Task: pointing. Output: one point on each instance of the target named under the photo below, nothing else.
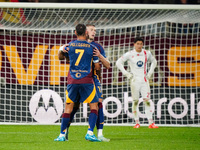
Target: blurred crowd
(112, 1)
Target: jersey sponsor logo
(140, 63)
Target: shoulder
(98, 45)
(148, 52)
(149, 55)
(128, 54)
(95, 43)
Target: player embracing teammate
(100, 53)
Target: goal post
(33, 80)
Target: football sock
(135, 113)
(90, 132)
(92, 119)
(100, 132)
(100, 118)
(75, 109)
(64, 122)
(148, 112)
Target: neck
(81, 38)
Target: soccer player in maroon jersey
(97, 80)
(80, 85)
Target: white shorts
(138, 88)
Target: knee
(100, 105)
(147, 103)
(135, 102)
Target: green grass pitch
(41, 137)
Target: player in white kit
(139, 77)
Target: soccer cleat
(60, 138)
(136, 126)
(103, 139)
(153, 126)
(91, 138)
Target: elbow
(97, 68)
(108, 66)
(117, 63)
(155, 62)
(61, 57)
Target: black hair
(80, 29)
(138, 39)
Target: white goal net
(33, 80)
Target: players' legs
(145, 92)
(92, 117)
(135, 89)
(75, 109)
(92, 121)
(135, 111)
(100, 119)
(65, 121)
(149, 113)
(89, 96)
(148, 110)
(100, 122)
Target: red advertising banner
(32, 59)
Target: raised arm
(61, 53)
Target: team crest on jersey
(140, 63)
(78, 75)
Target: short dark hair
(80, 29)
(138, 39)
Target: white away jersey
(138, 63)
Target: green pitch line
(41, 137)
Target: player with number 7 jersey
(80, 87)
(81, 56)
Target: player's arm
(96, 63)
(153, 65)
(120, 66)
(105, 61)
(97, 66)
(62, 51)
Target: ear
(75, 33)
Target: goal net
(33, 80)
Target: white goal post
(33, 80)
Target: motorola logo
(46, 106)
